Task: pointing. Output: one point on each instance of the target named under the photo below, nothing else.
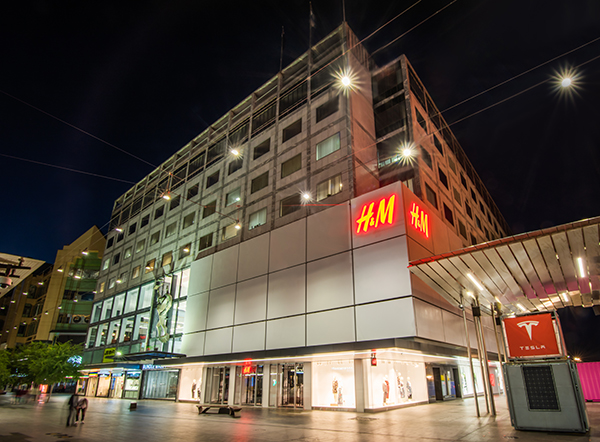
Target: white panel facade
(220, 307)
(288, 246)
(429, 321)
(200, 272)
(388, 319)
(196, 312)
(330, 327)
(380, 271)
(251, 300)
(254, 257)
(249, 337)
(328, 232)
(454, 328)
(329, 283)
(287, 292)
(218, 341)
(192, 344)
(286, 332)
(224, 271)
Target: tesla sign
(375, 214)
(533, 336)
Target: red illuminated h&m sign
(370, 219)
(419, 219)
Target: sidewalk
(111, 420)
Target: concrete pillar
(232, 379)
(307, 389)
(360, 391)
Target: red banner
(531, 336)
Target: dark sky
(149, 76)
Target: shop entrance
(457, 383)
(217, 385)
(116, 386)
(249, 385)
(286, 388)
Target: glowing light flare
(238, 226)
(581, 267)
(119, 229)
(477, 284)
(235, 152)
(346, 80)
(166, 196)
(523, 309)
(565, 297)
(566, 82)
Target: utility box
(545, 396)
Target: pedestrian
(73, 401)
(81, 407)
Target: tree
(4, 368)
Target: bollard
(133, 406)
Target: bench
(221, 409)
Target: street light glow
(566, 82)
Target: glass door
(217, 385)
(291, 385)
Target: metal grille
(539, 384)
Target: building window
(438, 145)
(443, 178)
(106, 264)
(328, 108)
(426, 157)
(145, 221)
(155, 238)
(141, 244)
(289, 205)
(159, 212)
(212, 180)
(123, 278)
(185, 250)
(205, 241)
(111, 283)
(448, 214)
(329, 187)
(257, 218)
(229, 231)
(457, 196)
(463, 181)
(468, 210)
(174, 202)
(473, 240)
(328, 146)
(120, 237)
(292, 130)
(171, 229)
(167, 259)
(478, 222)
(132, 228)
(188, 220)
(110, 242)
(260, 182)
(192, 192)
(127, 253)
(150, 266)
(233, 197)
(235, 165)
(482, 207)
(473, 197)
(292, 165)
(421, 120)
(135, 272)
(451, 164)
(462, 229)
(209, 209)
(262, 149)
(431, 195)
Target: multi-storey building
(275, 245)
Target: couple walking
(76, 406)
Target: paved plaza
(111, 420)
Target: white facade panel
(454, 328)
(286, 332)
(429, 321)
(254, 257)
(192, 344)
(328, 232)
(200, 272)
(329, 283)
(330, 327)
(251, 300)
(380, 271)
(249, 337)
(224, 271)
(218, 341)
(287, 293)
(196, 312)
(388, 319)
(288, 246)
(220, 307)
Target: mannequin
(386, 389)
(408, 388)
(334, 390)
(193, 388)
(401, 391)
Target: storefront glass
(333, 384)
(116, 385)
(249, 385)
(132, 384)
(160, 384)
(217, 385)
(92, 385)
(395, 383)
(103, 384)
(286, 386)
(191, 383)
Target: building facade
(270, 254)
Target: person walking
(73, 401)
(81, 407)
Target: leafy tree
(5, 360)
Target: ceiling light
(565, 296)
(238, 226)
(306, 196)
(166, 196)
(521, 307)
(235, 152)
(186, 250)
(119, 229)
(581, 268)
(477, 284)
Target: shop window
(233, 197)
(235, 165)
(469, 212)
(448, 214)
(140, 330)
(155, 238)
(110, 242)
(118, 305)
(328, 146)
(212, 180)
(175, 201)
(426, 158)
(260, 182)
(185, 250)
(443, 178)
(421, 120)
(131, 299)
(146, 293)
(462, 229)
(457, 195)
(431, 195)
(188, 220)
(209, 209)
(328, 108)
(257, 218)
(145, 221)
(463, 181)
(171, 230)
(132, 228)
(205, 241)
(292, 130)
(438, 145)
(167, 259)
(159, 212)
(292, 165)
(329, 187)
(192, 192)
(229, 231)
(290, 204)
(150, 266)
(139, 247)
(135, 272)
(262, 149)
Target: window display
(160, 384)
(190, 388)
(132, 384)
(393, 383)
(333, 384)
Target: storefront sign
(153, 367)
(419, 219)
(374, 358)
(532, 336)
(109, 354)
(376, 214)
